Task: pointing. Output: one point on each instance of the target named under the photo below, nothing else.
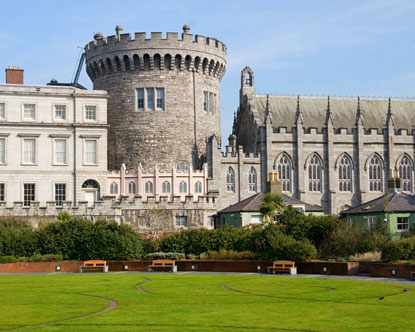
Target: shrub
(17, 238)
(165, 255)
(229, 254)
(399, 250)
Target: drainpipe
(74, 149)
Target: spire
(359, 119)
(268, 119)
(298, 113)
(329, 118)
(389, 116)
(234, 123)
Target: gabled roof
(391, 202)
(253, 204)
(343, 109)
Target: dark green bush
(17, 238)
(228, 254)
(397, 250)
(165, 255)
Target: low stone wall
(223, 265)
(388, 270)
(329, 268)
(40, 267)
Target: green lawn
(202, 302)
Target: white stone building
(53, 143)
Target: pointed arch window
(132, 188)
(405, 173)
(183, 187)
(252, 180)
(283, 166)
(345, 173)
(230, 180)
(315, 174)
(165, 187)
(149, 187)
(114, 188)
(375, 174)
(198, 187)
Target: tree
(271, 206)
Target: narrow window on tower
(150, 99)
(160, 99)
(140, 99)
(206, 101)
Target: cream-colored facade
(52, 140)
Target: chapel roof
(283, 110)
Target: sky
(319, 47)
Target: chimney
(14, 75)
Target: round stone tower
(163, 95)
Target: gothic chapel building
(336, 152)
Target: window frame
(230, 180)
(284, 169)
(114, 190)
(86, 119)
(183, 187)
(179, 220)
(56, 119)
(149, 187)
(3, 102)
(2, 184)
(4, 162)
(27, 203)
(35, 146)
(345, 176)
(85, 159)
(55, 193)
(164, 184)
(198, 187)
(23, 118)
(406, 170)
(132, 183)
(315, 182)
(55, 159)
(399, 223)
(253, 180)
(378, 181)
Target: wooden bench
(282, 267)
(163, 265)
(94, 265)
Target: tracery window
(315, 174)
(230, 180)
(405, 173)
(132, 188)
(283, 165)
(345, 173)
(252, 180)
(375, 174)
(183, 187)
(148, 187)
(114, 188)
(165, 187)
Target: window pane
(29, 146)
(60, 193)
(150, 99)
(2, 150)
(90, 113)
(29, 111)
(140, 99)
(160, 98)
(28, 193)
(2, 192)
(60, 112)
(2, 111)
(60, 151)
(91, 151)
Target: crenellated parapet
(138, 52)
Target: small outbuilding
(395, 210)
(247, 212)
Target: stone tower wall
(185, 67)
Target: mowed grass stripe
(202, 302)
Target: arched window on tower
(252, 180)
(345, 173)
(230, 180)
(178, 61)
(157, 61)
(375, 174)
(132, 188)
(183, 187)
(405, 173)
(283, 165)
(315, 174)
(127, 63)
(114, 188)
(146, 62)
(167, 61)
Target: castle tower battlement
(163, 95)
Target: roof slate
(344, 109)
(253, 204)
(391, 202)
